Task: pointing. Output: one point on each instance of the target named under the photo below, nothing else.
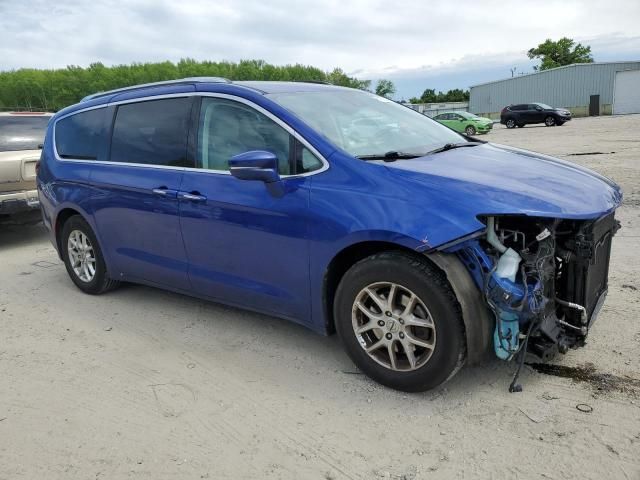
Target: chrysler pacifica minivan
(423, 248)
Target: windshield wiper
(391, 156)
(451, 146)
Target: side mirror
(255, 165)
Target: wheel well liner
(478, 320)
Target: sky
(417, 44)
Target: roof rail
(179, 81)
(319, 82)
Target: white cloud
(368, 38)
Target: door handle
(165, 192)
(192, 197)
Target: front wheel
(83, 258)
(400, 322)
(470, 130)
(549, 121)
(510, 123)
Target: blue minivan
(334, 208)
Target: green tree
(430, 96)
(563, 52)
(385, 88)
(55, 89)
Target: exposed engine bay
(544, 279)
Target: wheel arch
(343, 261)
(61, 218)
(478, 321)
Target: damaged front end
(544, 279)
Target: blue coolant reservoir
(506, 336)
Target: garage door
(626, 95)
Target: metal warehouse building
(583, 88)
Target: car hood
(496, 179)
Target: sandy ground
(141, 383)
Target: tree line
(430, 96)
(53, 89)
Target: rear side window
(22, 132)
(82, 136)
(152, 132)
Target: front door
(246, 245)
(594, 105)
(135, 202)
(535, 114)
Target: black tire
(433, 290)
(470, 130)
(100, 283)
(510, 123)
(550, 121)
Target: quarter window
(82, 135)
(153, 132)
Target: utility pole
(513, 71)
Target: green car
(465, 122)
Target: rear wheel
(550, 121)
(400, 322)
(510, 123)
(470, 130)
(83, 258)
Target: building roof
(540, 72)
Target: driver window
(228, 128)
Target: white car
(21, 133)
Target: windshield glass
(365, 124)
(545, 106)
(22, 132)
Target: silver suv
(21, 133)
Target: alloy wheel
(393, 326)
(82, 257)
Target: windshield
(365, 124)
(545, 106)
(22, 132)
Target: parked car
(20, 135)
(527, 113)
(422, 249)
(465, 122)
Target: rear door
(20, 135)
(445, 119)
(519, 113)
(245, 244)
(135, 202)
(459, 123)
